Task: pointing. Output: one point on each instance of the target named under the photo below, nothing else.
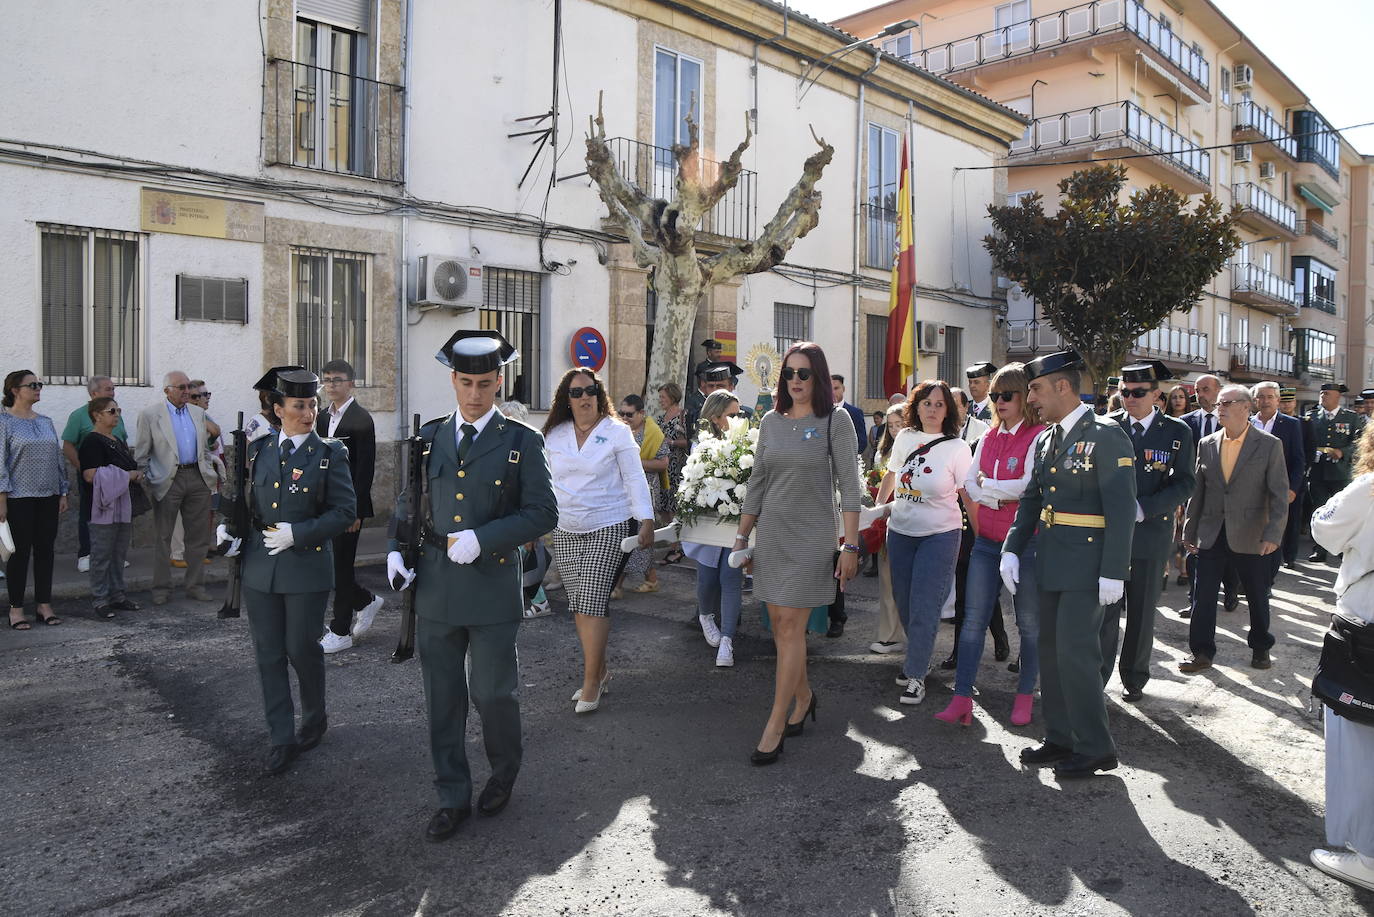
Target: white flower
(740, 490)
(746, 460)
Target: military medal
(296, 473)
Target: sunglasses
(1135, 392)
(590, 391)
(1002, 396)
(115, 411)
(36, 386)
(788, 373)
(1230, 401)
(203, 395)
(627, 415)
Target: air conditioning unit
(451, 282)
(1267, 171)
(1241, 152)
(930, 337)
(1245, 75)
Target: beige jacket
(155, 448)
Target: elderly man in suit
(1236, 516)
(1289, 432)
(171, 448)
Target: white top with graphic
(926, 498)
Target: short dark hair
(1072, 376)
(338, 366)
(96, 405)
(822, 402)
(836, 377)
(950, 427)
(633, 401)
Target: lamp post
(803, 86)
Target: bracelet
(744, 538)
(851, 548)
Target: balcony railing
(1314, 353)
(1317, 142)
(1318, 231)
(1254, 359)
(1075, 24)
(1033, 336)
(1251, 278)
(1183, 345)
(654, 170)
(1249, 116)
(333, 121)
(1124, 120)
(880, 236)
(1251, 196)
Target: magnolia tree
(662, 234)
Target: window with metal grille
(791, 323)
(92, 305)
(212, 299)
(875, 356)
(951, 365)
(512, 303)
(329, 309)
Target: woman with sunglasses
(718, 583)
(603, 498)
(806, 451)
(109, 468)
(995, 481)
(653, 455)
(33, 493)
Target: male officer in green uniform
(979, 376)
(1334, 432)
(301, 499)
(1165, 473)
(488, 488)
(1082, 497)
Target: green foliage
(1103, 272)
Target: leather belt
(188, 465)
(1079, 520)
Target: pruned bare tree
(662, 234)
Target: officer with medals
(487, 492)
(979, 377)
(1081, 496)
(301, 498)
(1333, 432)
(1165, 472)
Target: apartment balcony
(1253, 285)
(1175, 345)
(1089, 23)
(1263, 212)
(1317, 143)
(1112, 129)
(1252, 361)
(654, 170)
(1033, 336)
(1314, 353)
(332, 121)
(1252, 124)
(1319, 232)
(880, 236)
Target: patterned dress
(640, 558)
(673, 429)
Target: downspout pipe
(402, 325)
(858, 217)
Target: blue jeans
(719, 587)
(921, 597)
(983, 586)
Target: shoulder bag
(1345, 673)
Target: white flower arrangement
(716, 475)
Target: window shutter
(64, 258)
(212, 299)
(350, 14)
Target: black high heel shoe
(760, 758)
(795, 729)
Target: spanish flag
(899, 361)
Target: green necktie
(469, 434)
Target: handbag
(1345, 673)
(6, 541)
(138, 499)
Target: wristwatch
(852, 548)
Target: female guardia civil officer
(301, 498)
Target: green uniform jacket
(1165, 473)
(1094, 473)
(467, 496)
(1341, 432)
(313, 491)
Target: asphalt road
(130, 752)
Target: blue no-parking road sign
(588, 348)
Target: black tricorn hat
(1053, 363)
(268, 383)
(979, 369)
(1367, 394)
(297, 383)
(720, 371)
(1148, 371)
(1334, 387)
(476, 352)
(712, 344)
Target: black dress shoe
(1260, 659)
(494, 797)
(1132, 694)
(1317, 556)
(1046, 753)
(1000, 651)
(125, 605)
(836, 629)
(796, 729)
(951, 663)
(310, 736)
(1231, 603)
(1077, 766)
(444, 822)
(760, 758)
(278, 760)
(1016, 665)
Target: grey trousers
(286, 628)
(109, 545)
(189, 498)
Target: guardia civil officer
(1165, 473)
(488, 493)
(1333, 432)
(1082, 497)
(979, 377)
(301, 498)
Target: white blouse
(926, 498)
(602, 483)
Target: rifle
(410, 537)
(237, 520)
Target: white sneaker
(83, 564)
(367, 616)
(915, 692)
(709, 629)
(726, 656)
(1345, 865)
(333, 643)
(884, 649)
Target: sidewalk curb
(139, 579)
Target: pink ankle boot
(960, 710)
(1021, 709)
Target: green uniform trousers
(1070, 672)
(491, 679)
(1141, 601)
(287, 627)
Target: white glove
(279, 540)
(465, 548)
(222, 535)
(396, 569)
(1109, 591)
(1011, 571)
(1139, 513)
(738, 559)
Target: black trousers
(348, 595)
(83, 523)
(1253, 570)
(33, 525)
(836, 610)
(1291, 532)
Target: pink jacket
(110, 501)
(1005, 461)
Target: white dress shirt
(1202, 422)
(1072, 418)
(1266, 426)
(295, 440)
(602, 483)
(337, 415)
(479, 424)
